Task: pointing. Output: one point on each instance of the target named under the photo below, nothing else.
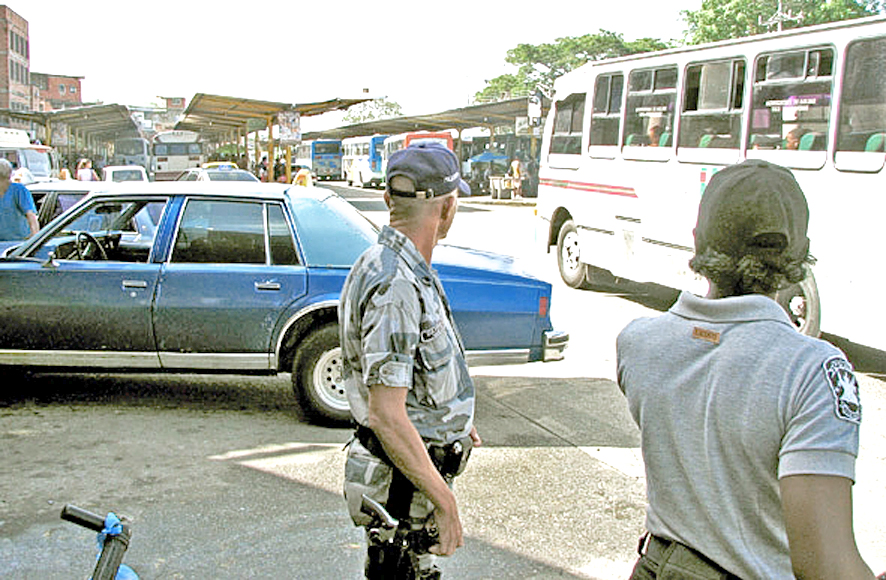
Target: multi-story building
(15, 63)
(56, 91)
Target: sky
(426, 56)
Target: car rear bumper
(555, 342)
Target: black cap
(747, 206)
(432, 168)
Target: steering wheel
(82, 243)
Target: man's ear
(447, 207)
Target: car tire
(317, 376)
(572, 270)
(802, 304)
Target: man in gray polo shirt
(749, 429)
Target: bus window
(792, 101)
(863, 109)
(606, 116)
(568, 123)
(712, 103)
(649, 114)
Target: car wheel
(802, 304)
(317, 376)
(572, 270)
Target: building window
(73, 89)
(61, 89)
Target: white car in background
(120, 173)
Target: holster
(450, 460)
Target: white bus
(361, 161)
(630, 144)
(134, 151)
(175, 152)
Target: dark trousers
(662, 559)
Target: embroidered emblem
(705, 334)
(845, 389)
(428, 332)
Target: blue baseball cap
(432, 168)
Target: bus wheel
(802, 304)
(572, 270)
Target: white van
(39, 161)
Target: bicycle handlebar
(82, 517)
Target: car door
(232, 271)
(64, 306)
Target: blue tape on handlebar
(113, 526)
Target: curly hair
(762, 270)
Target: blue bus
(322, 157)
(361, 160)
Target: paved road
(224, 481)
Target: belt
(663, 551)
(450, 460)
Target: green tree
(538, 65)
(723, 19)
(372, 111)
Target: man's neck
(423, 236)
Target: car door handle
(135, 284)
(267, 285)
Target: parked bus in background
(630, 144)
(31, 162)
(322, 157)
(175, 152)
(133, 151)
(361, 160)
(403, 140)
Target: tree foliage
(724, 19)
(538, 65)
(372, 111)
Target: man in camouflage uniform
(404, 367)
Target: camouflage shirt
(397, 330)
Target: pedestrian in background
(85, 172)
(18, 214)
(404, 367)
(749, 429)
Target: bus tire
(317, 377)
(802, 303)
(572, 270)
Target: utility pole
(780, 17)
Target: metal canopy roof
(99, 122)
(489, 114)
(216, 116)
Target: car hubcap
(328, 380)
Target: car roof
(234, 189)
(122, 167)
(65, 185)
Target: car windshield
(332, 232)
(127, 175)
(38, 162)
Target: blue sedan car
(235, 278)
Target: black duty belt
(450, 460)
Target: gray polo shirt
(729, 398)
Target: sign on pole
(290, 127)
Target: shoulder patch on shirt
(844, 387)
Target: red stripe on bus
(592, 187)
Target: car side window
(280, 234)
(124, 230)
(221, 232)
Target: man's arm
(403, 444)
(818, 518)
(32, 222)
